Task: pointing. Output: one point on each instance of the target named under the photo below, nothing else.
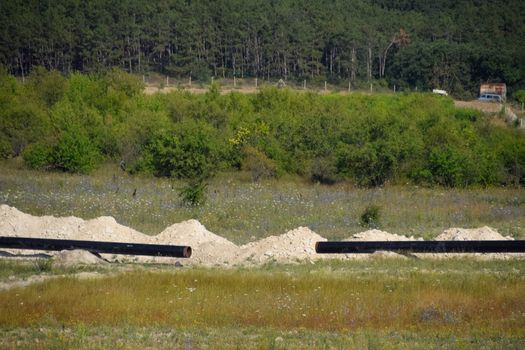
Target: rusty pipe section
(351, 247)
(96, 246)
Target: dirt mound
(15, 223)
(208, 248)
(18, 224)
(295, 245)
(378, 235)
(70, 258)
(106, 228)
(475, 234)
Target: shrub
(323, 170)
(258, 164)
(6, 150)
(124, 82)
(75, 152)
(370, 217)
(447, 166)
(190, 152)
(38, 156)
(467, 114)
(49, 86)
(194, 192)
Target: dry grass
(318, 300)
(242, 211)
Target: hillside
(410, 44)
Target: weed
(370, 217)
(194, 192)
(43, 265)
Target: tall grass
(243, 211)
(412, 300)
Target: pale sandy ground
(208, 248)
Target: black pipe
(353, 247)
(96, 246)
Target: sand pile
(15, 223)
(69, 258)
(474, 234)
(207, 247)
(295, 245)
(378, 235)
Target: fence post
(190, 81)
(304, 84)
(371, 88)
(167, 81)
(349, 86)
(255, 82)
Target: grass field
(373, 304)
(243, 211)
(461, 303)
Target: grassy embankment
(243, 211)
(460, 303)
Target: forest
(413, 44)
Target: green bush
(191, 151)
(194, 192)
(74, 152)
(48, 86)
(38, 156)
(258, 164)
(6, 150)
(370, 217)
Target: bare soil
(209, 249)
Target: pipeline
(502, 246)
(96, 246)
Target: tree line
(450, 44)
(74, 124)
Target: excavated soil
(208, 249)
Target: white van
(490, 98)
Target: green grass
(243, 211)
(383, 303)
(82, 337)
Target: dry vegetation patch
(321, 300)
